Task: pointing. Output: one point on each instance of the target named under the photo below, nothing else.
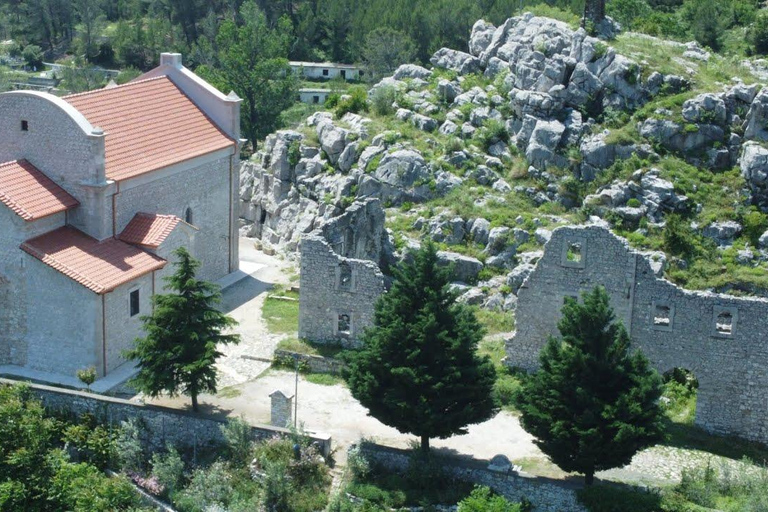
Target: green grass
(324, 379)
(281, 316)
(311, 349)
(229, 392)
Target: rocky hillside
(539, 125)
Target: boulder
(448, 128)
(424, 123)
(498, 240)
(682, 139)
(707, 108)
(461, 62)
(447, 90)
(480, 231)
(756, 121)
(412, 71)
(333, 139)
(754, 169)
(542, 235)
(518, 275)
(465, 268)
(482, 33)
(722, 233)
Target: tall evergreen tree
(591, 405)
(419, 370)
(179, 351)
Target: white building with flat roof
(326, 70)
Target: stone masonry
(720, 338)
(340, 275)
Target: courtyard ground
(246, 380)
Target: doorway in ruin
(679, 396)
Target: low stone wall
(316, 364)
(546, 495)
(163, 425)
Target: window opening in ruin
(188, 216)
(263, 217)
(344, 324)
(662, 316)
(134, 300)
(345, 276)
(325, 72)
(315, 99)
(24, 126)
(574, 252)
(343, 73)
(724, 323)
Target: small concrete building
(96, 192)
(314, 96)
(326, 70)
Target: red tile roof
(149, 230)
(30, 193)
(99, 266)
(150, 124)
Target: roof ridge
(122, 86)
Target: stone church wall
(720, 338)
(340, 275)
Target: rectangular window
(315, 99)
(134, 302)
(24, 126)
(325, 72)
(343, 73)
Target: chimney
(171, 59)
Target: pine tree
(591, 405)
(419, 370)
(179, 351)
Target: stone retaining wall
(316, 364)
(163, 425)
(546, 495)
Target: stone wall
(163, 425)
(720, 338)
(546, 495)
(339, 282)
(316, 364)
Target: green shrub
(607, 498)
(755, 223)
(758, 34)
(130, 449)
(382, 100)
(208, 487)
(168, 468)
(483, 500)
(678, 237)
(95, 443)
(332, 100)
(294, 153)
(238, 440)
(634, 203)
(356, 102)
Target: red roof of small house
(99, 266)
(149, 230)
(149, 124)
(30, 193)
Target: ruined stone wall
(720, 338)
(340, 274)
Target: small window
(315, 99)
(662, 316)
(134, 302)
(345, 276)
(574, 252)
(188, 216)
(724, 323)
(325, 72)
(24, 126)
(344, 324)
(343, 73)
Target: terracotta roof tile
(30, 193)
(149, 230)
(150, 124)
(99, 266)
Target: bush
(356, 102)
(483, 500)
(382, 99)
(87, 376)
(33, 55)
(168, 469)
(758, 34)
(208, 487)
(95, 444)
(238, 440)
(130, 449)
(678, 237)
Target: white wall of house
(326, 71)
(314, 96)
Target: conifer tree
(179, 351)
(591, 405)
(419, 370)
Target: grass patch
(508, 382)
(311, 349)
(280, 315)
(324, 379)
(495, 322)
(229, 392)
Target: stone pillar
(282, 409)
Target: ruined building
(341, 276)
(720, 338)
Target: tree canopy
(419, 370)
(180, 349)
(591, 405)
